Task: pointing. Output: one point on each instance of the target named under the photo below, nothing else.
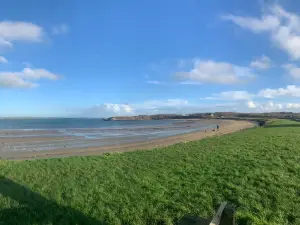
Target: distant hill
(216, 115)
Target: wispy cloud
(231, 96)
(60, 29)
(290, 91)
(155, 82)
(261, 63)
(5, 43)
(14, 81)
(292, 70)
(24, 78)
(3, 59)
(27, 64)
(282, 26)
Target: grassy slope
(258, 170)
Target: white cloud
(283, 27)
(190, 83)
(14, 81)
(5, 43)
(60, 29)
(216, 72)
(251, 104)
(293, 70)
(266, 107)
(3, 59)
(181, 106)
(235, 95)
(265, 23)
(13, 31)
(146, 107)
(22, 79)
(109, 109)
(38, 74)
(231, 95)
(20, 31)
(154, 82)
(117, 108)
(289, 91)
(293, 106)
(178, 106)
(270, 106)
(262, 63)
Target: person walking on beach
(217, 127)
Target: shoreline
(226, 127)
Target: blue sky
(105, 58)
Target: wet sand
(226, 126)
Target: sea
(69, 133)
(63, 123)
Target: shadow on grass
(35, 209)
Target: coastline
(226, 127)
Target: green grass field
(258, 170)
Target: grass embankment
(258, 170)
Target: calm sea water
(63, 123)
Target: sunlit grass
(258, 170)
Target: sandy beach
(226, 126)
